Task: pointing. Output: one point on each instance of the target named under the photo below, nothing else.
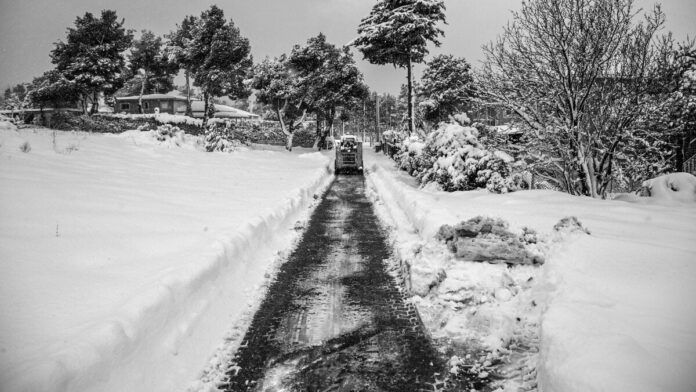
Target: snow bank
(673, 187)
(162, 118)
(124, 262)
(6, 124)
(613, 310)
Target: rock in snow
(488, 240)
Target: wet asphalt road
(334, 320)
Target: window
(146, 105)
(125, 106)
(164, 105)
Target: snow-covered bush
(410, 157)
(453, 157)
(167, 131)
(221, 139)
(462, 119)
(6, 124)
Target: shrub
(221, 138)
(453, 157)
(25, 147)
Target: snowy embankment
(124, 260)
(611, 311)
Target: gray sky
(28, 28)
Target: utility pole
(364, 119)
(376, 119)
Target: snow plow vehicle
(349, 155)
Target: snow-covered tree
(446, 88)
(93, 55)
(178, 42)
(15, 98)
(674, 110)
(278, 86)
(577, 74)
(397, 32)
(149, 65)
(328, 77)
(52, 89)
(221, 58)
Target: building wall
(170, 106)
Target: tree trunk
(288, 146)
(409, 76)
(189, 110)
(95, 103)
(83, 103)
(330, 118)
(140, 99)
(317, 141)
(205, 109)
(280, 113)
(588, 177)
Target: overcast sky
(28, 28)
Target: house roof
(223, 111)
(151, 97)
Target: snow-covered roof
(223, 111)
(152, 96)
(508, 130)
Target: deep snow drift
(608, 311)
(124, 260)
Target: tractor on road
(349, 155)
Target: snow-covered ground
(609, 311)
(124, 261)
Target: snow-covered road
(334, 319)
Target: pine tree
(52, 89)
(397, 32)
(93, 55)
(221, 58)
(177, 50)
(446, 87)
(329, 77)
(276, 85)
(149, 65)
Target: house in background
(222, 111)
(173, 104)
(165, 103)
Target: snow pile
(453, 157)
(6, 124)
(608, 311)
(487, 239)
(679, 187)
(162, 118)
(165, 135)
(124, 263)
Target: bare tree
(576, 73)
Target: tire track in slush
(333, 319)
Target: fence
(690, 165)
